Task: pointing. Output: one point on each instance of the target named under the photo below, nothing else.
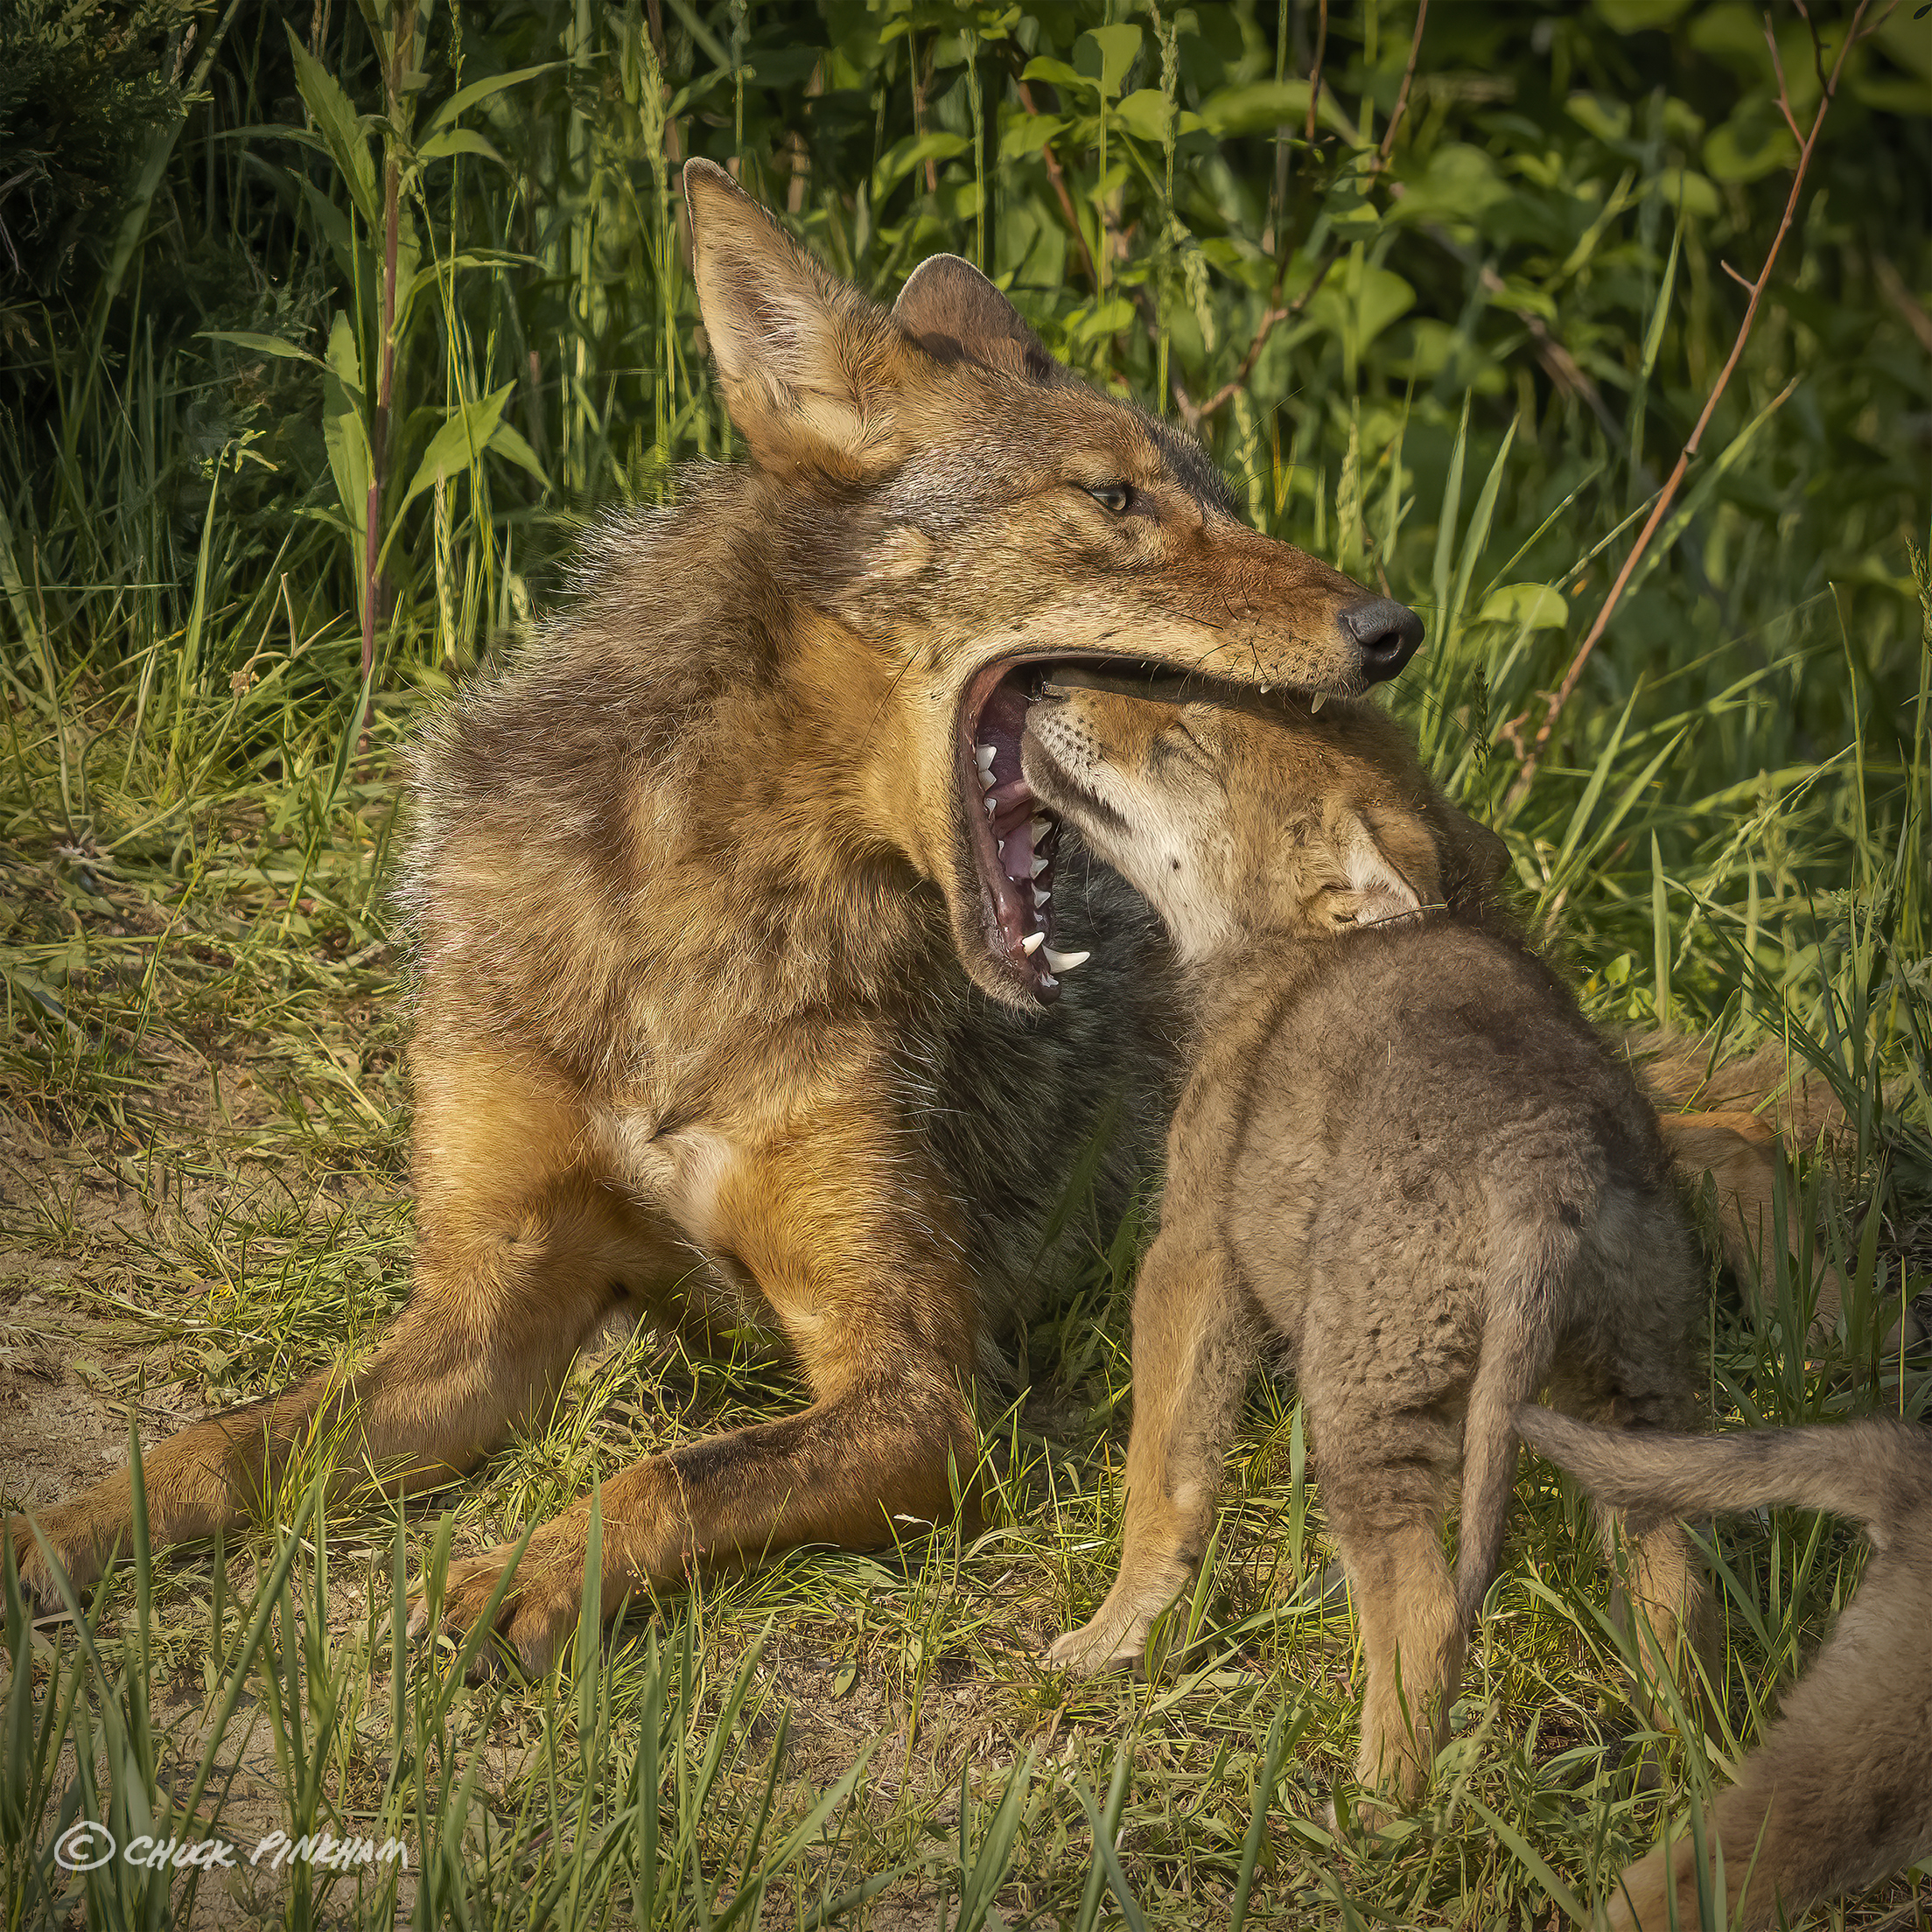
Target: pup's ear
(953, 312)
(1474, 861)
(1390, 868)
(809, 367)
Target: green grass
(205, 1199)
(203, 1193)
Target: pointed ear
(1474, 861)
(1390, 868)
(953, 312)
(809, 367)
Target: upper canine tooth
(1316, 702)
(1065, 962)
(1032, 944)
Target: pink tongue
(1017, 860)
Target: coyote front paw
(539, 1609)
(1116, 1634)
(75, 1554)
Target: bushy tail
(1516, 1348)
(1866, 1470)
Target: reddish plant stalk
(1666, 496)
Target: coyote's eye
(1114, 498)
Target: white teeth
(987, 781)
(1040, 898)
(992, 805)
(1040, 864)
(1032, 944)
(1065, 962)
(984, 755)
(1039, 828)
(1316, 702)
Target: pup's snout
(1386, 634)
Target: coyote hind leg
(1406, 1604)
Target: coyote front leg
(871, 1286)
(521, 1252)
(1195, 1347)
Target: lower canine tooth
(1032, 944)
(1065, 962)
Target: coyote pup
(1841, 1787)
(1406, 1150)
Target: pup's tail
(1869, 1470)
(1517, 1343)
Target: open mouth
(1014, 834)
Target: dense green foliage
(1498, 334)
(323, 331)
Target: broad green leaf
(345, 436)
(1752, 142)
(1056, 73)
(453, 140)
(899, 160)
(336, 120)
(465, 434)
(262, 345)
(1526, 607)
(463, 98)
(1380, 297)
(335, 230)
(1684, 188)
(1027, 134)
(507, 441)
(1143, 113)
(1460, 182)
(1103, 55)
(1607, 120)
(1270, 104)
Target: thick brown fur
(721, 1011)
(1402, 1148)
(1840, 1789)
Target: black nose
(1386, 632)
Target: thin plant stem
(1667, 495)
